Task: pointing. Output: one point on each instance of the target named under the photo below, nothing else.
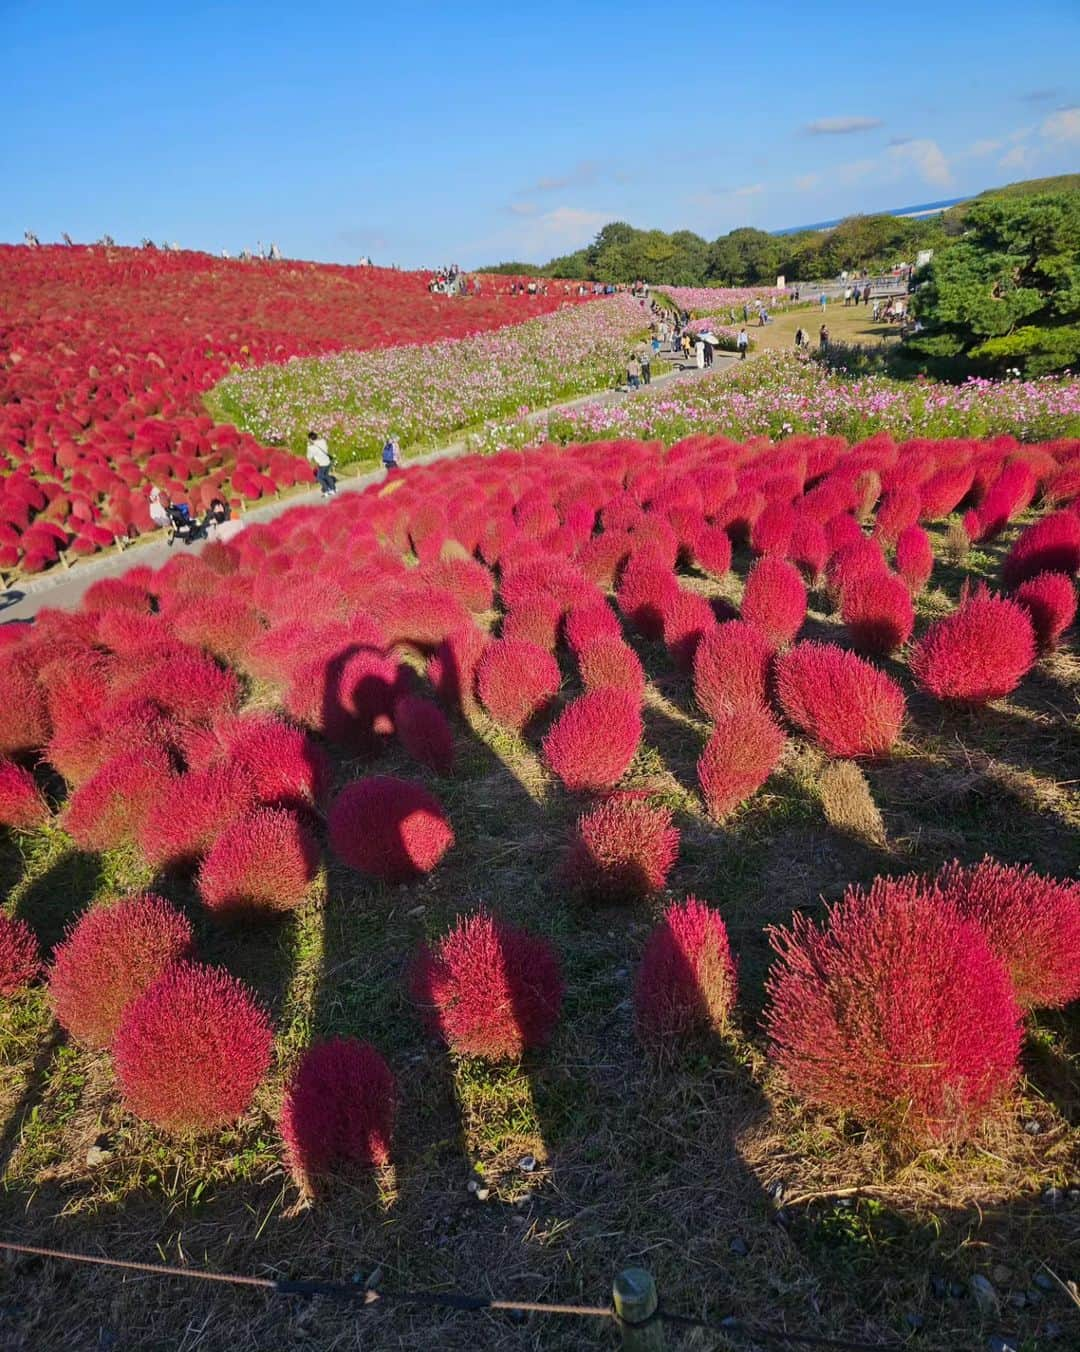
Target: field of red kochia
(105, 355)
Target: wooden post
(635, 1298)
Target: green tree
(1007, 294)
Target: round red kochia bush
(585, 624)
(611, 662)
(687, 618)
(452, 668)
(877, 611)
(191, 1050)
(425, 734)
(283, 765)
(20, 957)
(534, 619)
(489, 989)
(687, 981)
(264, 861)
(623, 849)
(840, 701)
(594, 739)
(22, 804)
(516, 681)
(712, 551)
(388, 828)
(1031, 922)
(775, 600)
(111, 955)
(24, 712)
(1051, 545)
(338, 1110)
(741, 753)
(190, 686)
(191, 812)
(112, 806)
(896, 1011)
(731, 668)
(1050, 601)
(980, 652)
(914, 557)
(645, 590)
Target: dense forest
(746, 257)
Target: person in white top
(318, 452)
(159, 508)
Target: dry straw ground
(700, 1168)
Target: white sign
(923, 257)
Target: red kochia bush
(21, 802)
(284, 766)
(1051, 545)
(877, 610)
(896, 1011)
(20, 957)
(112, 806)
(24, 714)
(191, 1049)
(1032, 923)
(980, 652)
(534, 619)
(645, 590)
(192, 812)
(731, 668)
(687, 618)
(842, 702)
(516, 680)
(687, 981)
(110, 956)
(914, 558)
(595, 738)
(388, 828)
(740, 755)
(338, 1110)
(452, 668)
(1050, 601)
(425, 734)
(611, 662)
(623, 850)
(190, 686)
(712, 551)
(264, 861)
(775, 600)
(585, 624)
(489, 989)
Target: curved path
(65, 587)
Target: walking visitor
(391, 455)
(742, 343)
(318, 452)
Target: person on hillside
(763, 317)
(646, 366)
(823, 298)
(800, 338)
(746, 312)
(823, 338)
(391, 455)
(633, 373)
(709, 351)
(866, 294)
(847, 296)
(742, 343)
(699, 352)
(318, 453)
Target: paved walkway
(64, 587)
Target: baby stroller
(181, 525)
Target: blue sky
(423, 134)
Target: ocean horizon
(922, 209)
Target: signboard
(780, 283)
(923, 257)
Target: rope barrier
(351, 1294)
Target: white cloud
(523, 208)
(583, 175)
(1017, 158)
(980, 148)
(1064, 125)
(807, 182)
(571, 220)
(842, 126)
(855, 171)
(927, 158)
